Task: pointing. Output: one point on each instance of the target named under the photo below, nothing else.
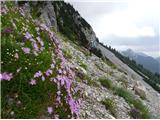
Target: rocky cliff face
(64, 18)
(44, 68)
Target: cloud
(152, 52)
(120, 24)
(119, 18)
(132, 24)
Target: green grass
(132, 101)
(100, 67)
(34, 99)
(90, 81)
(67, 54)
(110, 105)
(124, 81)
(83, 65)
(108, 62)
(106, 83)
(144, 112)
(87, 79)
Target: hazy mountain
(148, 62)
(158, 59)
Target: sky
(124, 24)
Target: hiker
(91, 45)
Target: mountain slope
(147, 61)
(46, 73)
(158, 59)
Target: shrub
(110, 105)
(106, 83)
(97, 52)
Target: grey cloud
(93, 10)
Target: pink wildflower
(28, 35)
(8, 30)
(38, 74)
(58, 99)
(35, 46)
(56, 116)
(59, 71)
(0, 76)
(33, 82)
(48, 72)
(50, 110)
(58, 92)
(26, 50)
(6, 76)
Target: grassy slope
(18, 96)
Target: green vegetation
(67, 54)
(110, 72)
(66, 22)
(24, 94)
(124, 81)
(99, 66)
(106, 83)
(30, 101)
(83, 65)
(108, 62)
(144, 113)
(110, 105)
(152, 79)
(91, 82)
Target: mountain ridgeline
(148, 62)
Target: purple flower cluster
(38, 74)
(33, 82)
(8, 30)
(50, 110)
(48, 72)
(37, 44)
(28, 35)
(26, 50)
(6, 76)
(65, 75)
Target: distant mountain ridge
(158, 59)
(148, 62)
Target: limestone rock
(140, 90)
